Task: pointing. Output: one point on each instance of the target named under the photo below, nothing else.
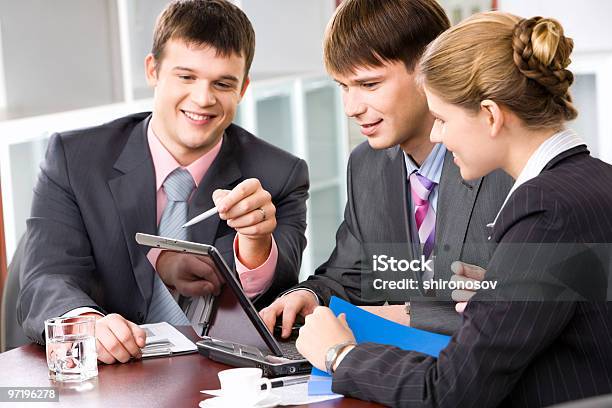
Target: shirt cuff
(81, 310)
(344, 353)
(258, 280)
(152, 256)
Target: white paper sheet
(296, 394)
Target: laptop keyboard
(289, 350)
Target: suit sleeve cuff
(258, 280)
(317, 299)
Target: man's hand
(117, 339)
(190, 275)
(465, 272)
(321, 331)
(300, 302)
(248, 208)
(395, 313)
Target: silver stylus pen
(201, 217)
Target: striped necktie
(178, 187)
(424, 214)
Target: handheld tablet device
(236, 335)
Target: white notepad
(164, 340)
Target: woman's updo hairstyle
(519, 63)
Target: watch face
(330, 358)
(332, 355)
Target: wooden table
(161, 382)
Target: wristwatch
(332, 355)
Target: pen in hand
(206, 214)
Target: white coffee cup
(244, 385)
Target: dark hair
(370, 32)
(217, 23)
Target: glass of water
(71, 348)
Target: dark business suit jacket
(514, 352)
(377, 220)
(96, 190)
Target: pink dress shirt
(254, 281)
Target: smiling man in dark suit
(371, 49)
(150, 172)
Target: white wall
(58, 55)
(2, 79)
(586, 21)
(289, 34)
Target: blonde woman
(498, 86)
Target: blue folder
(368, 327)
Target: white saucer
(270, 401)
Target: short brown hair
(370, 32)
(519, 63)
(217, 23)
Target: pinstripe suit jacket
(513, 353)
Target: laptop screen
(234, 317)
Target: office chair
(12, 335)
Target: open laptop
(234, 333)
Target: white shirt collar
(552, 147)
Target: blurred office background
(66, 64)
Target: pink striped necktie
(424, 214)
